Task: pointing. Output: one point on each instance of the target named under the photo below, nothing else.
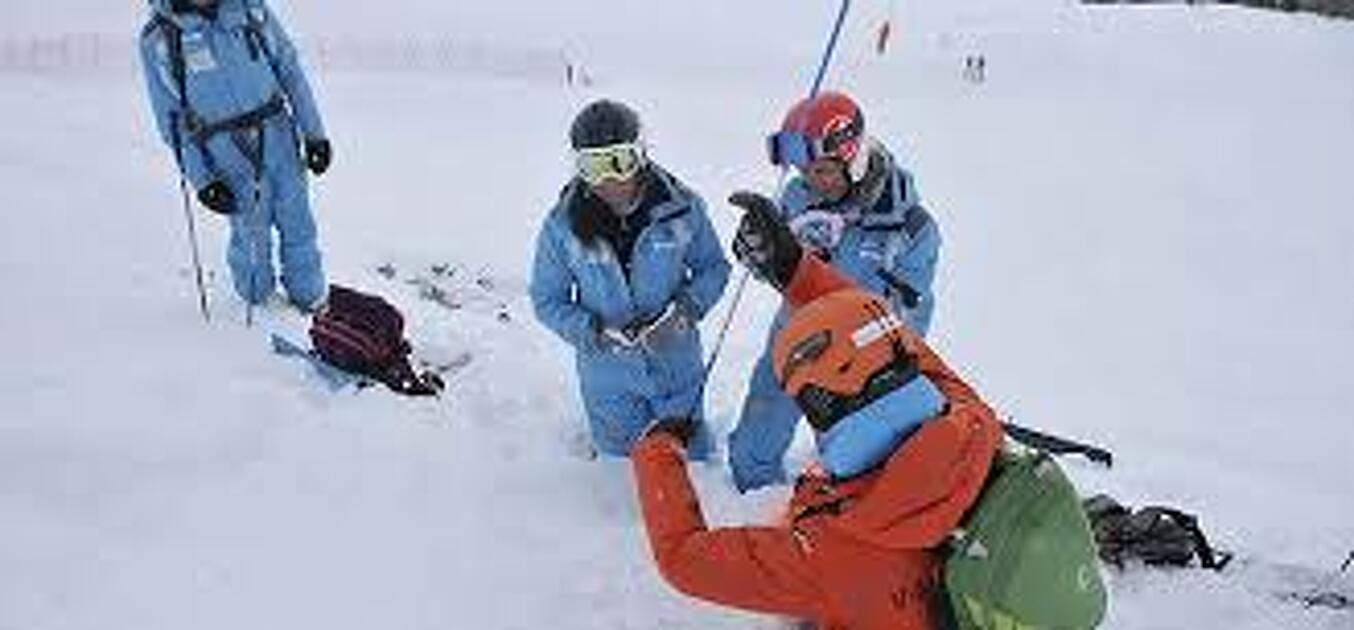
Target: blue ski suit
(579, 288)
(240, 65)
(890, 248)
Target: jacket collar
(664, 197)
(228, 13)
(877, 200)
(918, 496)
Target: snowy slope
(1147, 213)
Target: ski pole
(780, 188)
(719, 343)
(192, 227)
(254, 224)
(1057, 445)
(831, 46)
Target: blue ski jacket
(889, 248)
(580, 287)
(242, 78)
(233, 64)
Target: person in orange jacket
(904, 448)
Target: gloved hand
(652, 333)
(612, 340)
(217, 197)
(820, 230)
(319, 155)
(679, 427)
(763, 243)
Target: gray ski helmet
(604, 123)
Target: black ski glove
(764, 243)
(319, 155)
(679, 427)
(217, 197)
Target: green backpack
(1024, 557)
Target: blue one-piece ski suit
(578, 288)
(238, 61)
(889, 248)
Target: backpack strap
(186, 120)
(256, 36)
(402, 379)
(178, 69)
(1209, 558)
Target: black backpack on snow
(1156, 535)
(364, 334)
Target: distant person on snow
(905, 447)
(626, 264)
(975, 68)
(854, 206)
(230, 98)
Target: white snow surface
(1148, 221)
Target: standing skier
(855, 207)
(626, 264)
(231, 100)
(905, 448)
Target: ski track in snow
(1147, 221)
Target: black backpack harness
(200, 131)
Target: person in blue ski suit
(854, 206)
(626, 264)
(230, 98)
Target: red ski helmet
(828, 125)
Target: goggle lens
(795, 148)
(617, 162)
(789, 148)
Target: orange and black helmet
(841, 352)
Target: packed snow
(1148, 221)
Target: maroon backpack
(364, 334)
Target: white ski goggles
(617, 162)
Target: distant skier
(975, 68)
(904, 456)
(230, 98)
(626, 264)
(856, 207)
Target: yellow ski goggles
(617, 162)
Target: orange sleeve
(761, 569)
(813, 279)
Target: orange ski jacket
(857, 554)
